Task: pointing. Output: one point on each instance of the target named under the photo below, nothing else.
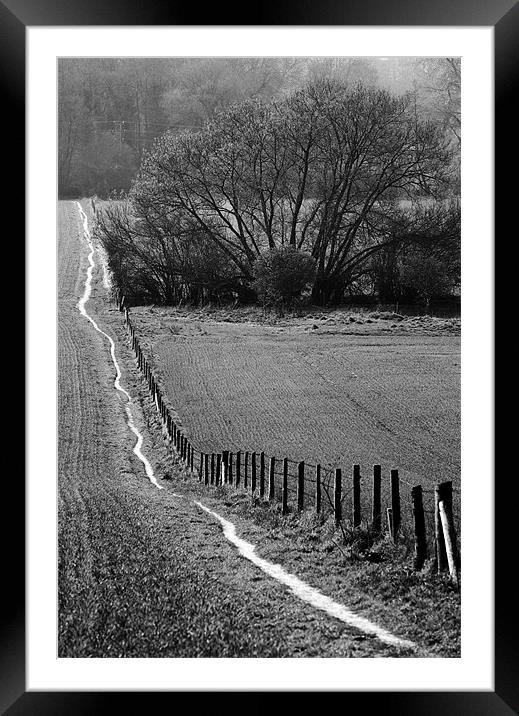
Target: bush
(282, 276)
(426, 277)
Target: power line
(146, 123)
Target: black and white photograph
(259, 361)
(259, 277)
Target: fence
(355, 501)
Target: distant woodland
(110, 110)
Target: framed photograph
(339, 141)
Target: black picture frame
(15, 17)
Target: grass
(423, 605)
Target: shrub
(282, 276)
(426, 277)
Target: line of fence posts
(219, 470)
(174, 436)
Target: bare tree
(438, 84)
(323, 169)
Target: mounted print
(264, 255)
(259, 267)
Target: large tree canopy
(323, 169)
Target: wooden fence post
(420, 543)
(376, 516)
(356, 495)
(441, 493)
(284, 506)
(238, 468)
(449, 536)
(262, 475)
(201, 468)
(300, 486)
(395, 502)
(246, 470)
(230, 475)
(318, 489)
(218, 477)
(253, 474)
(191, 458)
(445, 495)
(337, 490)
(389, 514)
(206, 468)
(212, 468)
(225, 466)
(272, 484)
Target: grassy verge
(363, 570)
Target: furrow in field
(426, 427)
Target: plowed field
(316, 392)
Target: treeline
(110, 110)
(351, 178)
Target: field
(324, 389)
